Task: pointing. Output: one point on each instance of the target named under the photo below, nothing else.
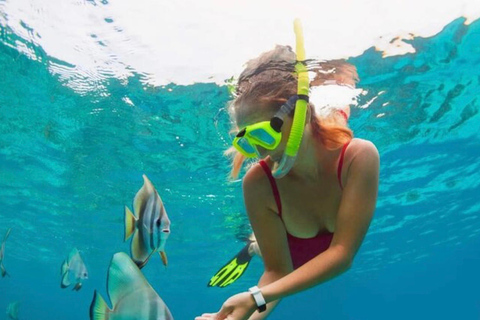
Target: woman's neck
(313, 160)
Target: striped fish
(132, 297)
(3, 271)
(73, 268)
(149, 225)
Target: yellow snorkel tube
(299, 117)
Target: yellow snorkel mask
(267, 134)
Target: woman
(310, 223)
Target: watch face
(262, 308)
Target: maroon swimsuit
(303, 250)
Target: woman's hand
(238, 307)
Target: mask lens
(265, 139)
(246, 146)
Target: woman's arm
(269, 231)
(353, 219)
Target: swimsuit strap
(344, 114)
(340, 164)
(276, 194)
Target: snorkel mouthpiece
(299, 117)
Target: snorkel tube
(299, 117)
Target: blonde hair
(269, 80)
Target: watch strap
(259, 299)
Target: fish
(236, 266)
(149, 224)
(132, 297)
(3, 271)
(73, 268)
(12, 310)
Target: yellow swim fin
(233, 270)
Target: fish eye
(85, 274)
(158, 222)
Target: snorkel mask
(267, 134)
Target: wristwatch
(259, 299)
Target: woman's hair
(269, 80)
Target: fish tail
(233, 269)
(99, 309)
(129, 223)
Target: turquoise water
(70, 160)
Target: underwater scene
(84, 159)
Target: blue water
(71, 160)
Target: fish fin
(167, 314)
(77, 286)
(99, 309)
(64, 267)
(3, 271)
(232, 270)
(163, 256)
(139, 254)
(2, 246)
(130, 221)
(140, 265)
(65, 281)
(125, 277)
(7, 234)
(72, 255)
(142, 195)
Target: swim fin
(233, 270)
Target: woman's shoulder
(357, 145)
(363, 153)
(256, 176)
(257, 189)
